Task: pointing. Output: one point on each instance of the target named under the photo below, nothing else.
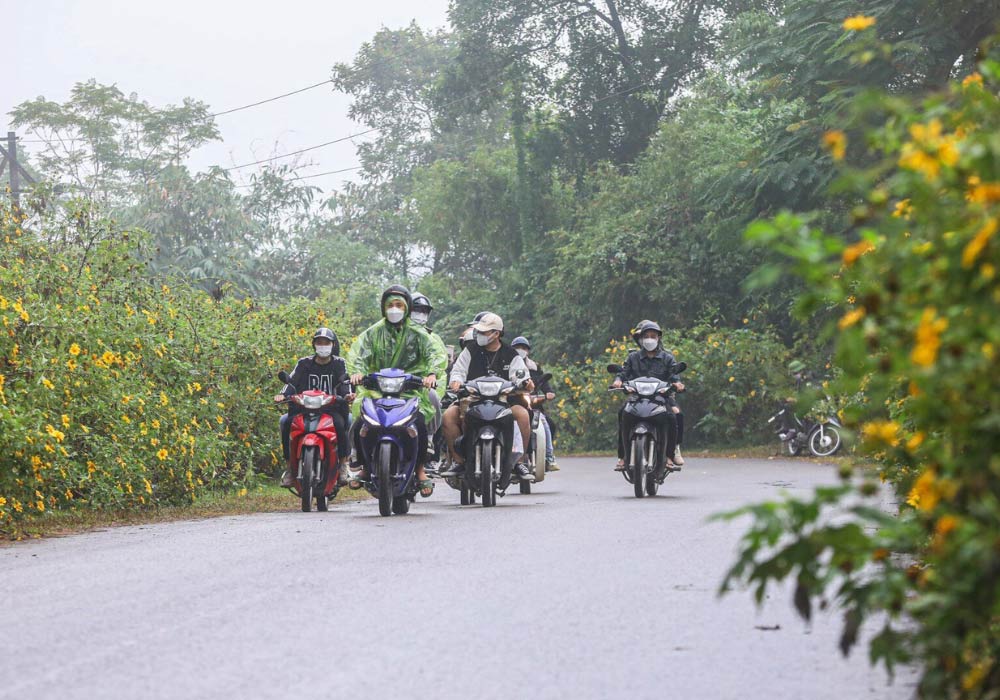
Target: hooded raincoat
(408, 347)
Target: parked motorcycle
(821, 437)
(648, 398)
(487, 441)
(313, 448)
(389, 441)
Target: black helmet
(329, 335)
(644, 326)
(520, 340)
(397, 290)
(420, 301)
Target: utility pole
(14, 169)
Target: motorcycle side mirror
(680, 367)
(614, 369)
(545, 377)
(283, 376)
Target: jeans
(339, 422)
(549, 454)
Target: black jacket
(309, 374)
(662, 366)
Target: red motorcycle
(313, 449)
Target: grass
(265, 498)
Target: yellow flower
(946, 524)
(928, 338)
(882, 432)
(65, 420)
(156, 424)
(835, 142)
(108, 357)
(74, 349)
(71, 364)
(916, 441)
(903, 209)
(852, 253)
(851, 318)
(858, 23)
(732, 379)
(47, 384)
(978, 243)
(162, 454)
(924, 494)
(973, 79)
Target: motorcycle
(389, 441)
(647, 399)
(821, 437)
(313, 448)
(487, 442)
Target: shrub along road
(578, 590)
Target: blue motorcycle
(389, 440)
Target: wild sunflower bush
(735, 380)
(918, 300)
(120, 391)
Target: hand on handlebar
(617, 384)
(430, 381)
(357, 378)
(679, 386)
(279, 398)
(549, 396)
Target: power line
(307, 177)
(301, 150)
(270, 99)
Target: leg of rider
(549, 453)
(421, 426)
(621, 439)
(343, 435)
(285, 425)
(670, 428)
(451, 424)
(523, 422)
(679, 419)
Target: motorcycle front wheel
(309, 459)
(383, 470)
(486, 468)
(825, 440)
(639, 464)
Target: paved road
(577, 591)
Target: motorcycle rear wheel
(309, 458)
(383, 470)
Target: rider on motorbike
(323, 370)
(523, 348)
(650, 360)
(396, 342)
(489, 355)
(421, 315)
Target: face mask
(650, 343)
(324, 350)
(420, 317)
(522, 353)
(394, 315)
(483, 339)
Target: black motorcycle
(647, 416)
(821, 437)
(487, 441)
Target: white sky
(225, 53)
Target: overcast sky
(226, 53)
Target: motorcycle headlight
(489, 389)
(646, 388)
(390, 385)
(658, 410)
(313, 402)
(369, 419)
(402, 421)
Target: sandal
(426, 485)
(620, 467)
(356, 480)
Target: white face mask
(522, 353)
(650, 344)
(483, 339)
(324, 350)
(420, 317)
(394, 315)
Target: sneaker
(453, 469)
(551, 466)
(678, 459)
(523, 472)
(344, 474)
(287, 480)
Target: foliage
(916, 296)
(117, 390)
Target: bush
(118, 391)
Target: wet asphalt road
(578, 590)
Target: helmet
(329, 335)
(520, 340)
(397, 290)
(644, 326)
(420, 301)
(466, 337)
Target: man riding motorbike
(650, 360)
(488, 356)
(421, 315)
(396, 342)
(523, 348)
(323, 371)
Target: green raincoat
(409, 348)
